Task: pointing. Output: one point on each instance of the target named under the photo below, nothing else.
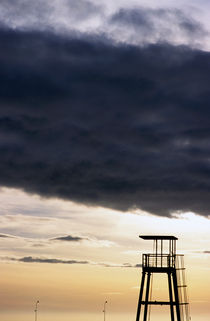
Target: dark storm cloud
(104, 124)
(69, 238)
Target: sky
(104, 135)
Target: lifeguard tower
(163, 260)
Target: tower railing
(160, 260)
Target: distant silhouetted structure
(104, 310)
(36, 309)
(163, 260)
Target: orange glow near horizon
(109, 245)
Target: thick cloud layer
(56, 15)
(148, 25)
(104, 124)
(133, 25)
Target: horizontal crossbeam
(181, 286)
(161, 303)
(159, 269)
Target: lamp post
(104, 310)
(36, 309)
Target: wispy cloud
(6, 236)
(90, 241)
(31, 259)
(124, 265)
(112, 293)
(69, 238)
(199, 252)
(136, 287)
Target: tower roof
(158, 237)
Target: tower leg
(147, 296)
(140, 296)
(171, 296)
(176, 295)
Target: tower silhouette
(163, 260)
